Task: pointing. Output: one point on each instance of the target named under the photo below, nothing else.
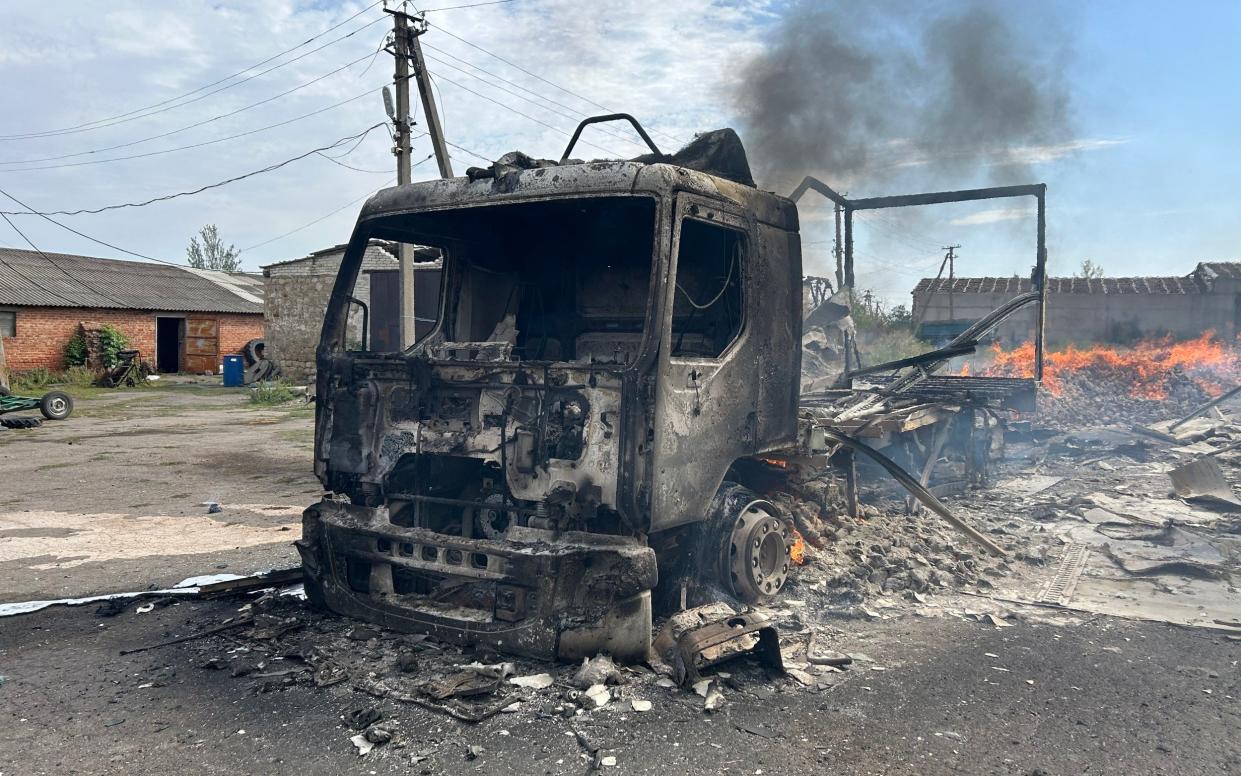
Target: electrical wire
(134, 116)
(87, 236)
(585, 99)
(471, 5)
(571, 117)
(727, 281)
(213, 83)
(475, 154)
(31, 280)
(195, 124)
(578, 114)
(146, 154)
(351, 167)
(426, 159)
(198, 190)
(527, 116)
(337, 159)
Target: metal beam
(940, 197)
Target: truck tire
(56, 405)
(24, 421)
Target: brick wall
(236, 329)
(43, 332)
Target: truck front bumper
(533, 593)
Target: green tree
(1089, 270)
(211, 253)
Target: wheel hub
(492, 521)
(758, 553)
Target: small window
(8, 323)
(707, 313)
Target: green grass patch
(40, 381)
(271, 393)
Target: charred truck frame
(618, 346)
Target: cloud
(993, 216)
(674, 75)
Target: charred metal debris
(606, 421)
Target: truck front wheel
(755, 556)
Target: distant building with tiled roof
(1089, 309)
(181, 319)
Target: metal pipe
(1223, 397)
(461, 502)
(915, 488)
(941, 197)
(849, 248)
(1040, 280)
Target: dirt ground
(115, 498)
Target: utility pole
(429, 109)
(406, 50)
(405, 252)
(839, 251)
(951, 259)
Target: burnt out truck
(578, 440)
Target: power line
(86, 236)
(569, 116)
(31, 280)
(578, 113)
(428, 158)
(471, 5)
(585, 99)
(135, 115)
(213, 83)
(146, 154)
(195, 124)
(199, 190)
(525, 115)
(339, 163)
(475, 154)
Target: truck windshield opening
(565, 280)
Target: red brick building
(181, 319)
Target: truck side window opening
(375, 300)
(707, 311)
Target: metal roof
(33, 279)
(1015, 285)
(1221, 269)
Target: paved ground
(1105, 697)
(112, 499)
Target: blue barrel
(234, 371)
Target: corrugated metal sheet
(28, 278)
(1014, 286)
(1221, 269)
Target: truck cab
(613, 339)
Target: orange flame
(1144, 368)
(797, 553)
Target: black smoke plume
(894, 88)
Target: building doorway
(169, 338)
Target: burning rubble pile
(849, 560)
(1103, 384)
